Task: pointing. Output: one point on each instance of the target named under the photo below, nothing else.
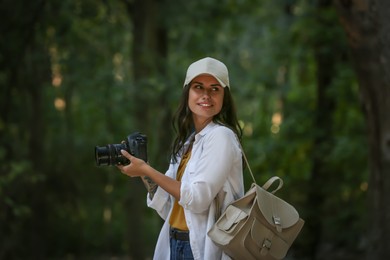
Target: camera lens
(135, 144)
(102, 155)
(110, 155)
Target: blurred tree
(149, 58)
(324, 46)
(80, 73)
(315, 123)
(23, 128)
(367, 25)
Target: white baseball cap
(209, 66)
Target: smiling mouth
(204, 105)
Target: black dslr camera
(135, 144)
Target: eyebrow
(200, 83)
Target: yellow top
(178, 219)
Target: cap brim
(188, 81)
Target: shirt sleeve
(162, 201)
(207, 175)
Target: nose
(206, 93)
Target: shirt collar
(205, 130)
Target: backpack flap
(276, 211)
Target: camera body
(135, 144)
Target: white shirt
(215, 167)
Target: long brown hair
(184, 126)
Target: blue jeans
(180, 250)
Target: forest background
(310, 80)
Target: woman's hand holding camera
(139, 168)
(136, 168)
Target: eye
(197, 86)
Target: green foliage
(73, 209)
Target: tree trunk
(322, 143)
(367, 25)
(148, 57)
(25, 68)
(36, 78)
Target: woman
(206, 165)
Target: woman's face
(205, 99)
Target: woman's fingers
(126, 154)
